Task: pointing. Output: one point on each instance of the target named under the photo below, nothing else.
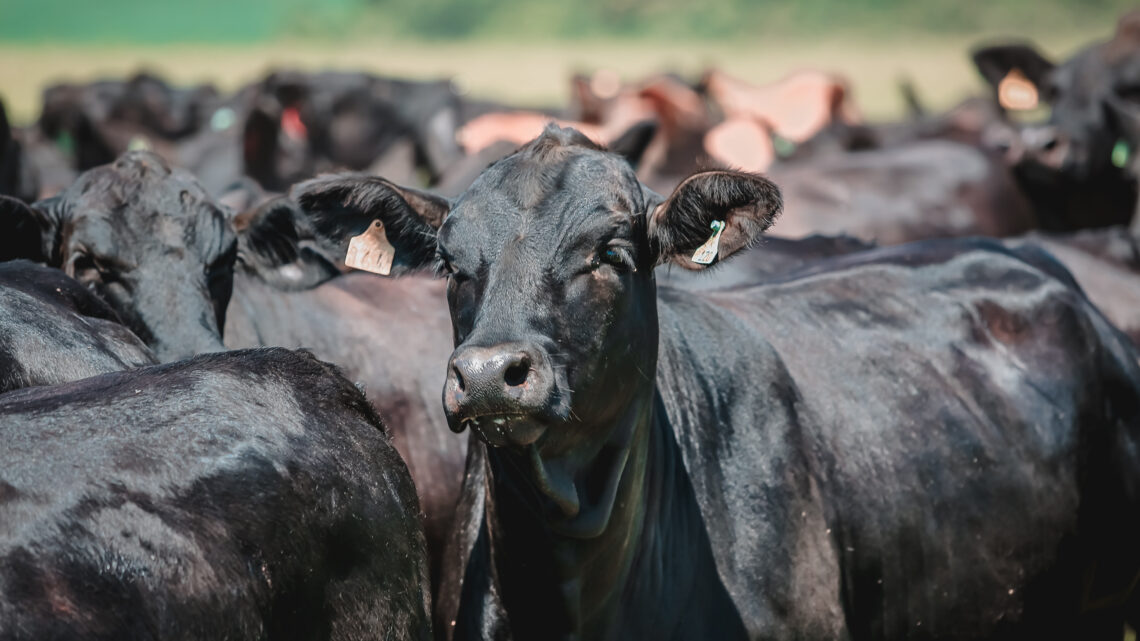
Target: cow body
(874, 470)
(52, 330)
(1104, 262)
(162, 253)
(771, 257)
(370, 326)
(248, 495)
(930, 440)
(912, 192)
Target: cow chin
(504, 430)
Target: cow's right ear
(339, 208)
(27, 231)
(996, 62)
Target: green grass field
(531, 73)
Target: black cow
(47, 167)
(148, 239)
(53, 330)
(1065, 164)
(98, 121)
(17, 176)
(926, 189)
(370, 327)
(771, 257)
(931, 440)
(247, 495)
(162, 254)
(300, 124)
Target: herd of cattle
(908, 407)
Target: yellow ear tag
(706, 253)
(371, 251)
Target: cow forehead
(122, 196)
(550, 195)
(112, 209)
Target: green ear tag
(782, 146)
(222, 119)
(65, 143)
(706, 253)
(1121, 152)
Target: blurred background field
(522, 51)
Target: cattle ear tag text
(706, 253)
(1121, 153)
(371, 251)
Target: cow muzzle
(504, 392)
(1046, 146)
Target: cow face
(549, 257)
(147, 239)
(1079, 137)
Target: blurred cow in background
(1073, 164)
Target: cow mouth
(499, 430)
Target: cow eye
(449, 271)
(85, 268)
(615, 256)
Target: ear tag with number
(371, 251)
(1120, 153)
(706, 253)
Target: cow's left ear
(27, 231)
(400, 222)
(632, 144)
(711, 216)
(274, 244)
(996, 62)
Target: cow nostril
(1049, 144)
(459, 382)
(516, 374)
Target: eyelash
(616, 256)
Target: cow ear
(27, 231)
(996, 62)
(632, 144)
(339, 208)
(274, 244)
(259, 147)
(711, 216)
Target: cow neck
(607, 585)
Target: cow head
(147, 239)
(303, 123)
(550, 260)
(1078, 138)
(99, 120)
